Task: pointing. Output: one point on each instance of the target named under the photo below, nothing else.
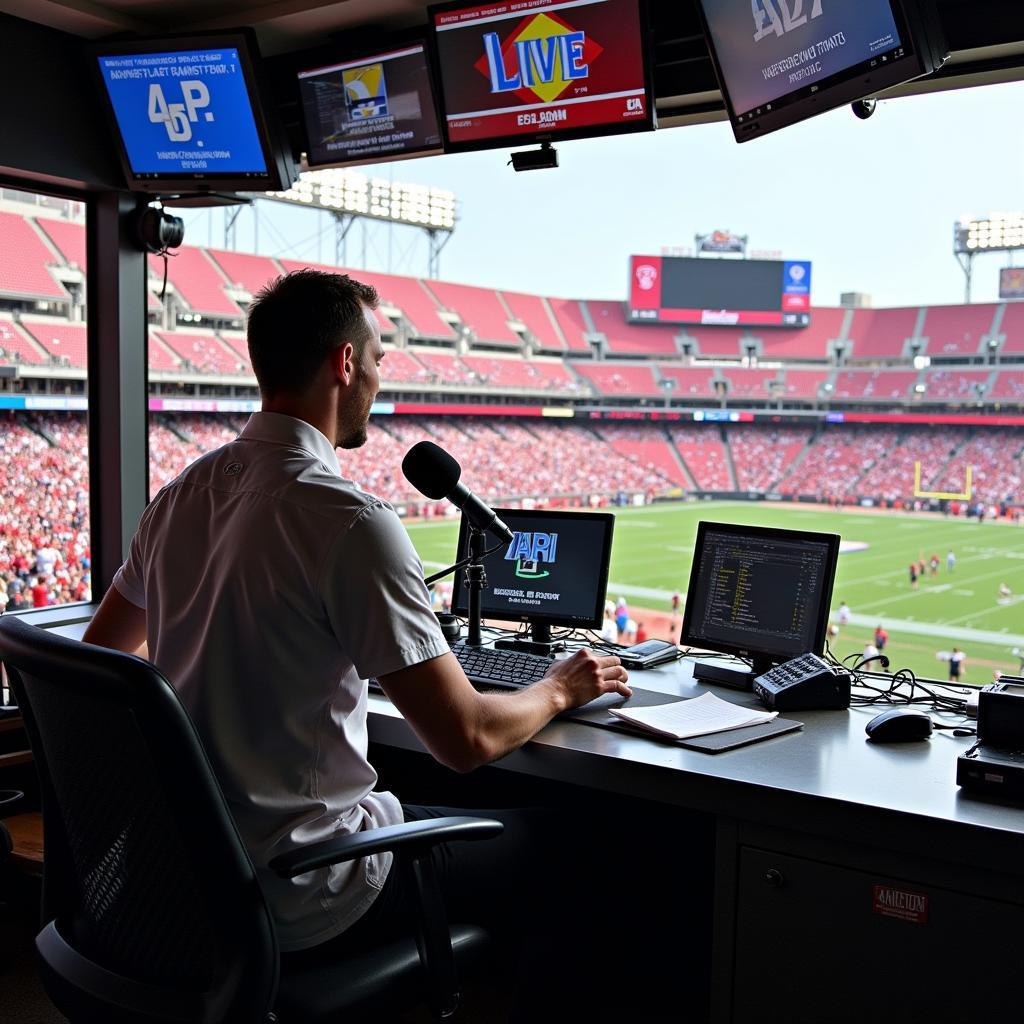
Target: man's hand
(585, 676)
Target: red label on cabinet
(900, 903)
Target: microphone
(433, 472)
(882, 658)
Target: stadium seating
(881, 333)
(804, 383)
(408, 295)
(1012, 327)
(626, 380)
(14, 346)
(160, 357)
(443, 367)
(835, 461)
(198, 282)
(1009, 386)
(515, 372)
(804, 342)
(204, 353)
(244, 270)
(705, 456)
(532, 312)
(717, 341)
(645, 445)
(877, 385)
(236, 342)
(479, 309)
(762, 455)
(892, 477)
(69, 238)
(957, 330)
(569, 318)
(63, 341)
(997, 468)
(748, 383)
(401, 367)
(630, 339)
(690, 382)
(23, 261)
(956, 385)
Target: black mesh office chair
(151, 907)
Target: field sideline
(654, 544)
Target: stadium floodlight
(339, 190)
(998, 232)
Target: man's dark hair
(297, 320)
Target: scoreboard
(691, 290)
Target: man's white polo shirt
(273, 589)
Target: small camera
(864, 108)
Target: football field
(653, 548)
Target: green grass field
(653, 548)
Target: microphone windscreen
(431, 470)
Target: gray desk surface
(825, 779)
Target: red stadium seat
(24, 258)
(198, 282)
(879, 385)
(957, 330)
(805, 342)
(205, 353)
(956, 385)
(532, 312)
(15, 347)
(60, 339)
(705, 456)
(625, 379)
(244, 270)
(569, 318)
(1012, 327)
(881, 333)
(804, 383)
(749, 383)
(717, 341)
(693, 381)
(626, 338)
(69, 238)
(479, 309)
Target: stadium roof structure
(986, 37)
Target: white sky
(871, 203)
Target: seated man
(269, 588)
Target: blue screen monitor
(189, 116)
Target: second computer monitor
(554, 573)
(758, 593)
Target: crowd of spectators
(44, 509)
(44, 535)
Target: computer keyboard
(488, 666)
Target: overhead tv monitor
(782, 61)
(190, 116)
(524, 71)
(760, 594)
(706, 290)
(370, 109)
(554, 573)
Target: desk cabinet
(819, 942)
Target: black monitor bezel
(846, 86)
(460, 595)
(647, 123)
(281, 170)
(357, 56)
(759, 655)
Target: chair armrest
(411, 837)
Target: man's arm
(118, 624)
(464, 729)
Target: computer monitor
(779, 61)
(369, 107)
(554, 573)
(191, 114)
(757, 593)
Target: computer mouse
(898, 726)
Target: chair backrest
(150, 901)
